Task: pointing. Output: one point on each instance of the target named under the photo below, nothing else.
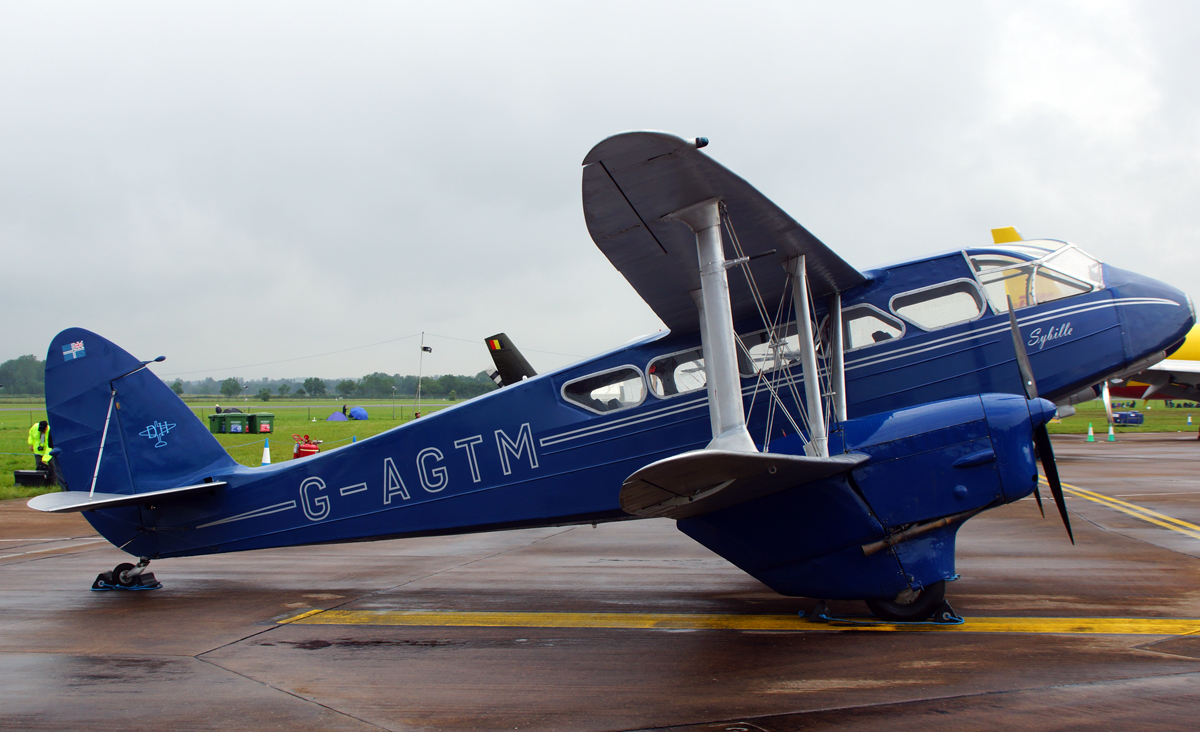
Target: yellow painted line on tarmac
(685, 621)
(1138, 512)
(301, 616)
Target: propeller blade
(1037, 496)
(1107, 401)
(1023, 364)
(1041, 438)
(1037, 493)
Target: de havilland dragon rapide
(825, 429)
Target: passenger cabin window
(765, 356)
(678, 373)
(607, 391)
(865, 325)
(940, 306)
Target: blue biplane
(826, 430)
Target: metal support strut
(716, 325)
(819, 439)
(837, 357)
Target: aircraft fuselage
(547, 451)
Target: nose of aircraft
(1154, 315)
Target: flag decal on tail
(73, 351)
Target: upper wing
(633, 179)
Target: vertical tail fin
(115, 422)
(511, 366)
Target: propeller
(1041, 436)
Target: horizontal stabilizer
(633, 180)
(75, 501)
(700, 481)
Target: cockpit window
(865, 325)
(1075, 264)
(1060, 273)
(1004, 278)
(1049, 285)
(607, 391)
(678, 373)
(1033, 249)
(940, 306)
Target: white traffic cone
(1091, 435)
(266, 452)
(1111, 436)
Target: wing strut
(818, 437)
(837, 365)
(716, 327)
(714, 411)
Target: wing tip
(627, 141)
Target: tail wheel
(919, 607)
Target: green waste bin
(262, 422)
(236, 422)
(217, 424)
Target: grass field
(291, 417)
(1158, 419)
(296, 417)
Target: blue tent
(358, 413)
(336, 417)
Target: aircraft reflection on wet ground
(1094, 635)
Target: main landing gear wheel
(118, 575)
(920, 607)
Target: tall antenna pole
(420, 359)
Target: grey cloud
(230, 185)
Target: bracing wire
(771, 389)
(778, 341)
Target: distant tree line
(372, 386)
(23, 375)
(26, 375)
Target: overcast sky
(242, 186)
